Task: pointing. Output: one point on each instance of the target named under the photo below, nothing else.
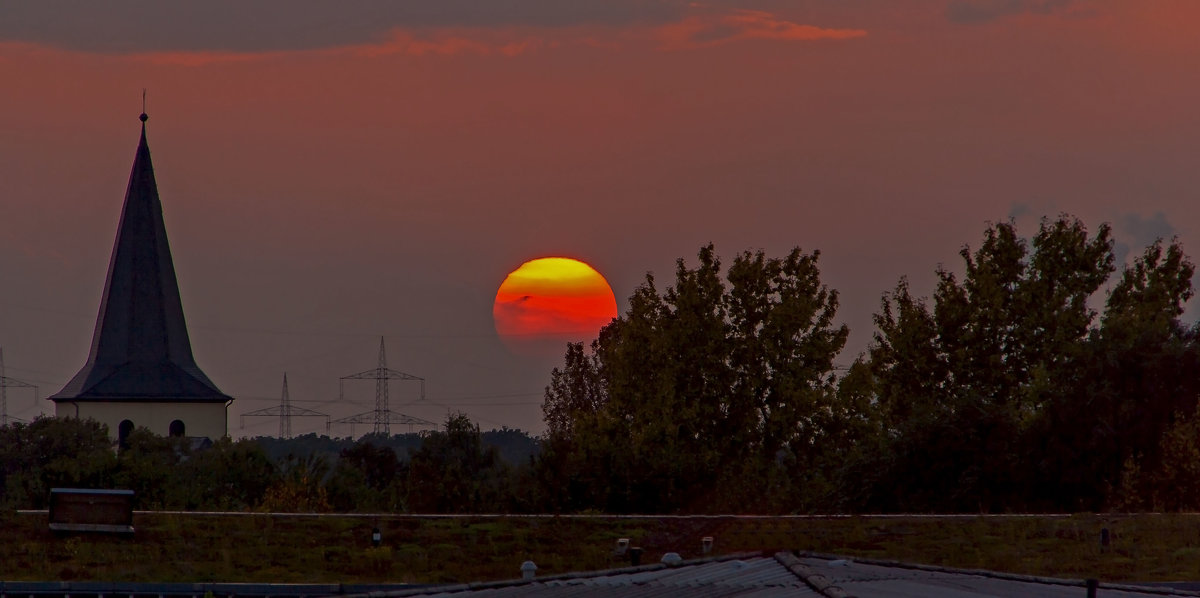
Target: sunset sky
(333, 172)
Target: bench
(87, 510)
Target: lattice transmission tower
(285, 411)
(5, 384)
(382, 417)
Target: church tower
(140, 371)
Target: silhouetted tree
(148, 464)
(1133, 383)
(367, 478)
(701, 395)
(453, 472)
(300, 487)
(53, 452)
(228, 476)
(959, 382)
(1005, 393)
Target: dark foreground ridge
(728, 576)
(98, 589)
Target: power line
(5, 384)
(383, 417)
(285, 412)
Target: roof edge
(76, 399)
(1002, 575)
(819, 583)
(508, 583)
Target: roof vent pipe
(528, 570)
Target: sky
(335, 172)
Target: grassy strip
(264, 548)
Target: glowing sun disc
(553, 298)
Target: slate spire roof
(140, 348)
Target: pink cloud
(441, 43)
(713, 30)
(204, 58)
(690, 33)
(693, 32)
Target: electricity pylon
(382, 416)
(286, 412)
(5, 383)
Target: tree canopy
(1029, 380)
(722, 375)
(1007, 394)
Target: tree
(1133, 384)
(149, 464)
(1172, 483)
(53, 452)
(228, 476)
(961, 382)
(578, 392)
(1006, 393)
(722, 375)
(300, 487)
(367, 477)
(453, 472)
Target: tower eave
(69, 399)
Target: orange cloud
(440, 43)
(204, 58)
(444, 42)
(690, 33)
(713, 30)
(169, 58)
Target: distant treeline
(1032, 380)
(456, 469)
(514, 447)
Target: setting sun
(552, 298)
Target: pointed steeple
(140, 348)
